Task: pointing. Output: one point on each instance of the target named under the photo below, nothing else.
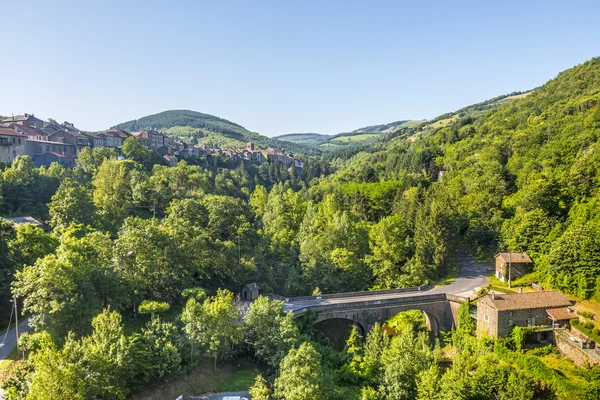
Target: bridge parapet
(359, 294)
(440, 309)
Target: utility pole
(509, 267)
(239, 251)
(16, 320)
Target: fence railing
(359, 294)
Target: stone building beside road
(519, 264)
(497, 314)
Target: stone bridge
(365, 308)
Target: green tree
(90, 159)
(134, 150)
(301, 375)
(392, 247)
(259, 391)
(72, 203)
(212, 324)
(428, 383)
(408, 355)
(270, 331)
(153, 307)
(112, 193)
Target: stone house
(71, 137)
(497, 314)
(151, 139)
(35, 147)
(250, 292)
(95, 140)
(28, 131)
(114, 139)
(170, 160)
(25, 120)
(519, 264)
(12, 144)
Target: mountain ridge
(209, 129)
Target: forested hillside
(208, 129)
(521, 177)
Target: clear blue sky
(281, 66)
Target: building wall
(500, 323)
(48, 158)
(34, 147)
(517, 270)
(487, 318)
(14, 148)
(567, 348)
(531, 317)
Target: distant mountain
(386, 128)
(210, 130)
(307, 139)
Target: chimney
(520, 290)
(493, 296)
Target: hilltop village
(48, 141)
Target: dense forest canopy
(133, 243)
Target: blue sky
(281, 66)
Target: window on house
(14, 140)
(510, 322)
(486, 318)
(47, 148)
(528, 321)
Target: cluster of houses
(50, 142)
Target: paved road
(11, 339)
(472, 275)
(223, 396)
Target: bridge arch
(432, 323)
(338, 330)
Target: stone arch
(432, 323)
(338, 329)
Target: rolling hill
(210, 130)
(307, 139)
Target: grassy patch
(567, 368)
(240, 381)
(448, 279)
(354, 138)
(442, 122)
(11, 366)
(203, 379)
(568, 380)
(588, 329)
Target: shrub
(586, 314)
